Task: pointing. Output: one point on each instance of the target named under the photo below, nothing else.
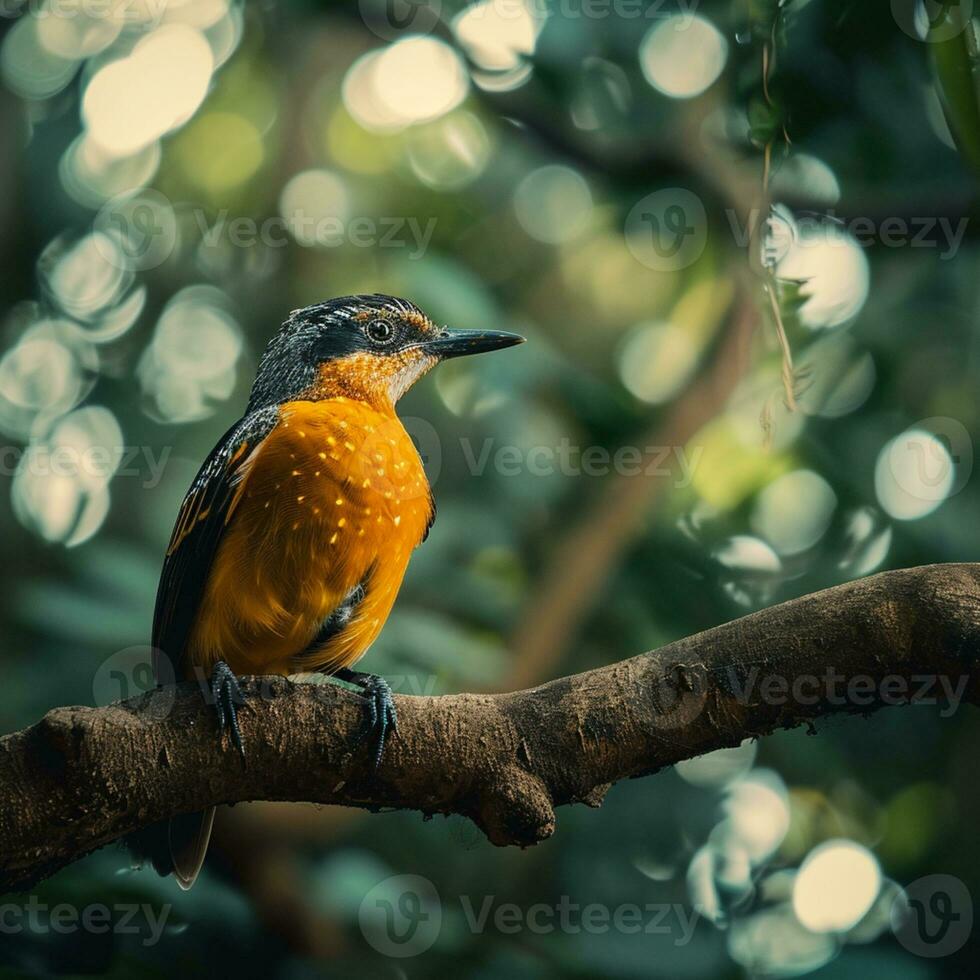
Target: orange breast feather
(334, 497)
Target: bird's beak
(457, 343)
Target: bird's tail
(176, 846)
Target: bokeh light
(314, 204)
(835, 886)
(91, 176)
(748, 569)
(190, 364)
(719, 767)
(829, 264)
(757, 813)
(656, 361)
(30, 68)
(38, 374)
(449, 153)
(553, 204)
(133, 101)
(773, 943)
(840, 376)
(683, 55)
(499, 34)
(755, 818)
(868, 542)
(794, 511)
(60, 489)
(84, 276)
(746, 553)
(803, 174)
(913, 475)
(414, 80)
(77, 29)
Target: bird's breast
(345, 468)
(335, 497)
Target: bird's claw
(380, 715)
(227, 695)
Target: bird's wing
(204, 514)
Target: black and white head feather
(323, 332)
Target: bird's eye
(379, 331)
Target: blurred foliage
(594, 176)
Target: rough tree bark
(83, 777)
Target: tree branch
(83, 777)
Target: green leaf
(952, 43)
(765, 120)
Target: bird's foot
(380, 716)
(226, 696)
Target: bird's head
(373, 348)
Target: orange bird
(292, 541)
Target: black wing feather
(200, 524)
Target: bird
(291, 543)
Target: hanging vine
(768, 131)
